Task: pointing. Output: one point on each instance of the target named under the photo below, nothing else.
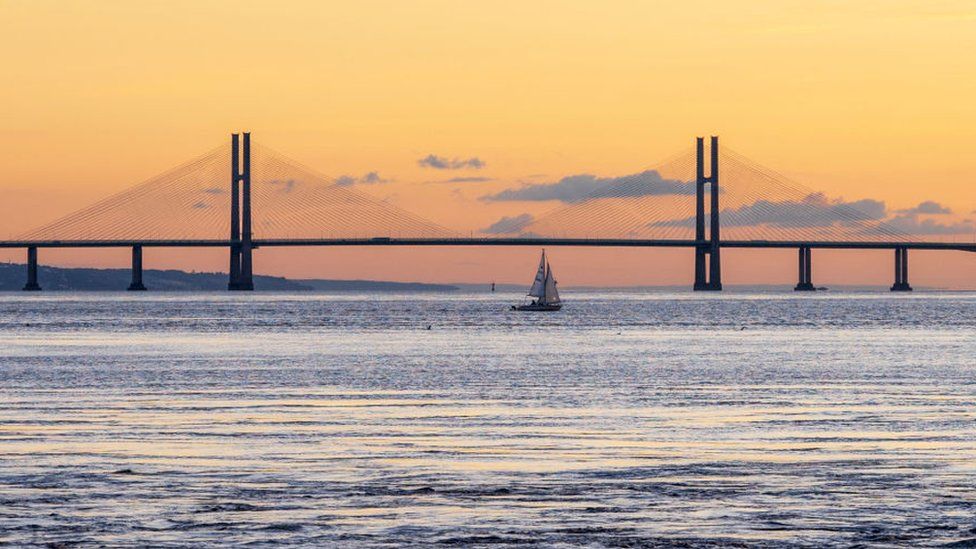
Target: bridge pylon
(708, 263)
(241, 278)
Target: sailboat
(543, 290)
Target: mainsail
(551, 295)
(538, 288)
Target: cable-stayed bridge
(247, 196)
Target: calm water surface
(627, 419)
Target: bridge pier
(707, 255)
(701, 262)
(805, 283)
(136, 285)
(246, 282)
(901, 271)
(32, 285)
(234, 275)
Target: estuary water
(627, 419)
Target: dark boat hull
(537, 307)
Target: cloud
(467, 180)
(814, 210)
(284, 185)
(928, 207)
(371, 178)
(577, 188)
(910, 223)
(444, 163)
(215, 190)
(201, 206)
(509, 225)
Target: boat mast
(545, 273)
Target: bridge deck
(580, 242)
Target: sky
(434, 105)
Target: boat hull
(537, 307)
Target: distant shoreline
(82, 279)
(13, 276)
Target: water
(627, 419)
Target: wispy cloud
(468, 179)
(818, 211)
(444, 163)
(576, 188)
(370, 178)
(814, 210)
(509, 225)
(283, 185)
(928, 207)
(910, 223)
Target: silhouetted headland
(94, 280)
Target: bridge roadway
(517, 241)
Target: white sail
(538, 288)
(552, 294)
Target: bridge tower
(707, 278)
(240, 215)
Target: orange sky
(859, 100)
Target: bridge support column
(136, 285)
(247, 280)
(901, 271)
(805, 283)
(241, 278)
(710, 249)
(32, 285)
(235, 267)
(701, 276)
